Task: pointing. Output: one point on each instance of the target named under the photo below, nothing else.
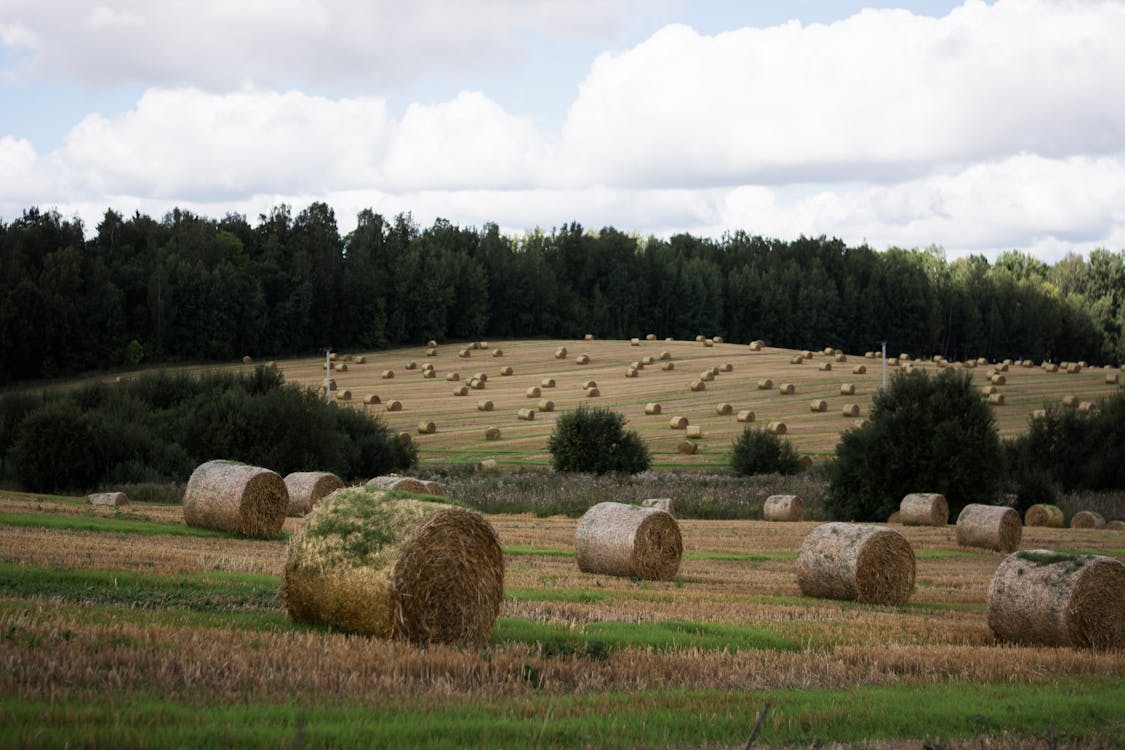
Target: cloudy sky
(978, 126)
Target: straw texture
(783, 508)
(629, 541)
(856, 562)
(306, 488)
(924, 509)
(230, 496)
(989, 526)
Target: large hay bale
(1044, 514)
(484, 405)
(526, 415)
(229, 496)
(507, 370)
(545, 404)
(396, 568)
(757, 345)
(668, 366)
(109, 499)
(847, 389)
(652, 408)
(990, 527)
(344, 395)
(307, 488)
(1044, 598)
(411, 365)
(453, 377)
(678, 423)
(630, 372)
(825, 367)
(851, 411)
(492, 433)
(707, 376)
(497, 352)
(724, 410)
(783, 508)
(924, 509)
(996, 399)
(856, 562)
(388, 374)
(745, 416)
(665, 355)
(1087, 519)
(629, 541)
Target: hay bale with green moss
(629, 541)
(307, 488)
(1044, 514)
(856, 562)
(1045, 598)
(994, 527)
(370, 563)
(229, 496)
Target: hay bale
(847, 389)
(797, 360)
(388, 374)
(699, 338)
(998, 379)
(708, 343)
(590, 384)
(229, 496)
(592, 393)
(745, 416)
(726, 367)
(394, 405)
(757, 345)
(373, 399)
(686, 447)
(307, 488)
(492, 433)
(545, 405)
(1044, 514)
(777, 428)
(629, 541)
(431, 344)
(841, 358)
(818, 405)
(1115, 525)
(1111, 378)
(497, 352)
(660, 503)
(825, 367)
(992, 527)
(1045, 598)
(695, 431)
(851, 411)
(547, 383)
(431, 352)
(396, 568)
(764, 384)
(724, 410)
(924, 509)
(698, 385)
(630, 372)
(649, 360)
(361, 360)
(560, 353)
(109, 499)
(706, 376)
(895, 517)
(650, 337)
(652, 408)
(426, 428)
(787, 389)
(988, 390)
(717, 339)
(678, 423)
(477, 384)
(429, 374)
(783, 508)
(634, 342)
(461, 390)
(506, 371)
(856, 562)
(411, 365)
(484, 405)
(668, 366)
(1074, 369)
(487, 465)
(582, 359)
(247, 360)
(533, 392)
(465, 353)
(588, 337)
(1070, 401)
(526, 415)
(1048, 367)
(996, 399)
(859, 370)
(806, 354)
(665, 355)
(398, 483)
(1087, 519)
(342, 367)
(344, 395)
(453, 377)
(480, 345)
(1087, 407)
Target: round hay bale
(492, 433)
(668, 366)
(344, 395)
(695, 431)
(560, 353)
(660, 503)
(777, 428)
(698, 385)
(394, 405)
(1087, 407)
(638, 365)
(990, 527)
(757, 345)
(699, 338)
(924, 509)
(717, 339)
(477, 384)
(506, 371)
(1074, 369)
(590, 384)
(526, 415)
(388, 374)
(431, 352)
(783, 508)
(806, 354)
(372, 399)
(395, 568)
(306, 488)
(397, 483)
(859, 370)
(678, 423)
(996, 399)
(484, 405)
(461, 390)
(247, 360)
(726, 367)
(634, 342)
(475, 345)
(895, 517)
(1044, 514)
(825, 367)
(988, 390)
(453, 377)
(426, 428)
(649, 360)
(431, 344)
(229, 496)
(429, 374)
(1049, 367)
(533, 392)
(797, 360)
(481, 376)
(1070, 401)
(828, 351)
(592, 393)
(818, 405)
(465, 353)
(487, 464)
(361, 360)
(545, 405)
(411, 365)
(745, 416)
(765, 384)
(1111, 378)
(272, 364)
(498, 353)
(547, 383)
(706, 376)
(724, 410)
(665, 355)
(1115, 525)
(851, 411)
(428, 366)
(480, 345)
(630, 372)
(588, 337)
(652, 408)
(855, 562)
(686, 447)
(998, 380)
(1087, 519)
(1045, 598)
(109, 499)
(629, 541)
(787, 389)
(650, 337)
(582, 359)
(847, 389)
(841, 358)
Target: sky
(976, 126)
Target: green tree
(758, 451)
(595, 440)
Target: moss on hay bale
(652, 408)
(678, 423)
(389, 567)
(629, 541)
(724, 410)
(924, 509)
(1044, 514)
(484, 405)
(989, 527)
(1087, 519)
(1044, 598)
(109, 499)
(526, 414)
(492, 433)
(783, 508)
(854, 562)
(307, 488)
(229, 496)
(745, 416)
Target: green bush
(925, 434)
(758, 451)
(56, 449)
(594, 440)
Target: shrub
(56, 449)
(595, 440)
(925, 434)
(758, 451)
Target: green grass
(1082, 712)
(262, 621)
(122, 524)
(523, 549)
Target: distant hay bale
(1039, 414)
(678, 423)
(652, 408)
(859, 370)
(648, 360)
(431, 352)
(394, 405)
(1046, 598)
(344, 395)
(665, 355)
(988, 390)
(533, 392)
(247, 360)
(481, 345)
(582, 359)
(429, 374)
(426, 428)
(806, 354)
(982, 361)
(465, 353)
(411, 365)
(698, 385)
(717, 339)
(1074, 369)
(372, 399)
(825, 367)
(847, 389)
(1049, 367)
(475, 345)
(428, 366)
(1087, 519)
(547, 383)
(695, 431)
(590, 384)
(818, 405)
(841, 358)
(487, 465)
(686, 447)
(453, 377)
(396, 568)
(1111, 378)
(992, 527)
(272, 364)
(745, 416)
(660, 503)
(109, 499)
(650, 337)
(706, 376)
(855, 562)
(461, 390)
(484, 405)
(700, 338)
(797, 360)
(892, 361)
(477, 384)
(777, 428)
(228, 496)
(1087, 407)
(827, 351)
(306, 488)
(397, 483)
(545, 405)
(757, 345)
(787, 389)
(592, 393)
(996, 399)
(1044, 514)
(1115, 525)
(588, 337)
(481, 376)
(1070, 401)
(361, 360)
(497, 352)
(628, 541)
(869, 355)
(726, 367)
(526, 415)
(708, 342)
(388, 374)
(924, 509)
(783, 508)
(492, 433)
(851, 411)
(859, 423)
(668, 366)
(764, 384)
(998, 380)
(724, 410)
(634, 342)
(560, 353)
(431, 344)
(631, 372)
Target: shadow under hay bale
(924, 509)
(1045, 598)
(855, 562)
(992, 527)
(396, 568)
(629, 541)
(306, 488)
(783, 508)
(229, 496)
(109, 499)
(1043, 514)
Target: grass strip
(130, 525)
(1082, 712)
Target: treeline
(193, 288)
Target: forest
(191, 288)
